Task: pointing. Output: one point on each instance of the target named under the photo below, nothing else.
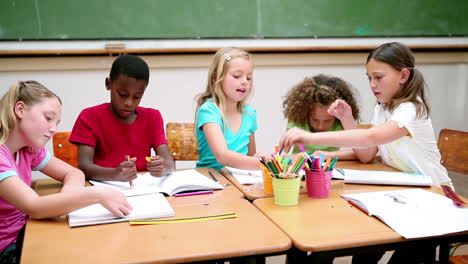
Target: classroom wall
(176, 79)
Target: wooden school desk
(332, 227)
(48, 186)
(252, 192)
(249, 234)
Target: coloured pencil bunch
(287, 167)
(284, 167)
(316, 163)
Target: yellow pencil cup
(286, 191)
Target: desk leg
(296, 256)
(444, 253)
(248, 260)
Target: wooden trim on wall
(196, 46)
(70, 63)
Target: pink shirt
(12, 219)
(112, 140)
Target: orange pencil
(327, 163)
(127, 157)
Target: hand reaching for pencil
(292, 137)
(156, 165)
(126, 171)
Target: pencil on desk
(127, 158)
(212, 176)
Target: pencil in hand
(127, 158)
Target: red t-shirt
(112, 140)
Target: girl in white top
(402, 130)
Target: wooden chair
(364, 126)
(65, 150)
(181, 141)
(453, 146)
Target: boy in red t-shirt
(108, 132)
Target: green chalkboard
(364, 18)
(192, 19)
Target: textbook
(144, 207)
(413, 212)
(386, 178)
(176, 182)
(246, 176)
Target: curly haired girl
(318, 104)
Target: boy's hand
(126, 171)
(156, 166)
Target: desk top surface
(250, 233)
(252, 192)
(332, 223)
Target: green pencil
(332, 164)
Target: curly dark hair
(320, 89)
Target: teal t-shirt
(210, 113)
(312, 148)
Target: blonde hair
(217, 71)
(29, 92)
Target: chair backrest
(181, 141)
(453, 146)
(65, 150)
(364, 126)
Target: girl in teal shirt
(225, 125)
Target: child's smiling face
(126, 94)
(237, 80)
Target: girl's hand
(113, 200)
(156, 166)
(326, 154)
(261, 155)
(126, 171)
(291, 137)
(341, 110)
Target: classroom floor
(460, 181)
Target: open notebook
(246, 176)
(412, 212)
(385, 178)
(144, 207)
(178, 181)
